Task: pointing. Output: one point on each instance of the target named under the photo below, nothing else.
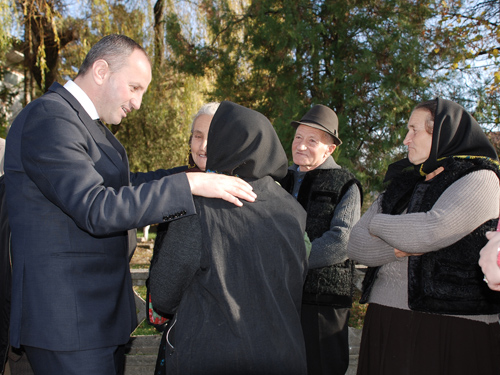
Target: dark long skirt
(397, 341)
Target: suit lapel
(121, 152)
(106, 141)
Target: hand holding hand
(213, 185)
(488, 261)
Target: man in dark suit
(72, 203)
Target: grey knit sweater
(464, 206)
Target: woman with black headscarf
(233, 276)
(430, 312)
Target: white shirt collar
(82, 98)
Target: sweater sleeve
(177, 264)
(465, 205)
(365, 248)
(331, 247)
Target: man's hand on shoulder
(213, 185)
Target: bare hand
(488, 260)
(213, 185)
(402, 254)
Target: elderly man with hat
(332, 198)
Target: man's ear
(331, 148)
(100, 71)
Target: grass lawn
(144, 329)
(358, 311)
(151, 234)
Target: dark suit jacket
(5, 278)
(71, 199)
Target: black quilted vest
(320, 192)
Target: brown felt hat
(323, 118)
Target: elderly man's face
(311, 147)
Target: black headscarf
(456, 133)
(242, 142)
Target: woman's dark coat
(233, 275)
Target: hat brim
(336, 140)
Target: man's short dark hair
(114, 49)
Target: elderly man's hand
(488, 261)
(213, 185)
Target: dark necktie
(101, 126)
(109, 136)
